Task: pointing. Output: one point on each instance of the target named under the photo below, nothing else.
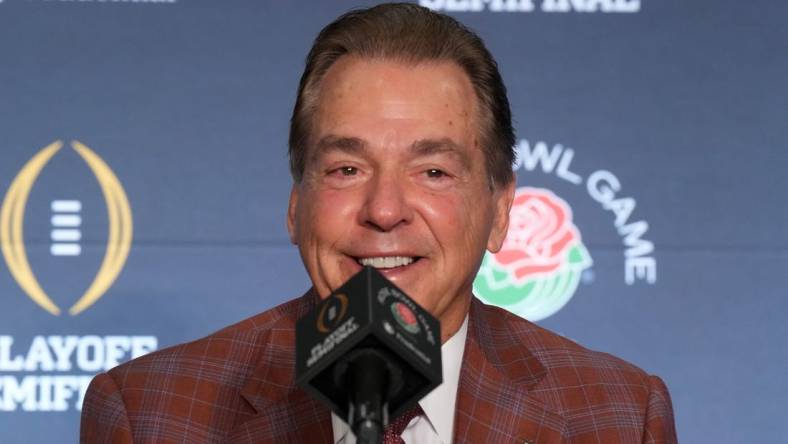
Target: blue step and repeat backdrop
(143, 177)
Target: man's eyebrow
(426, 147)
(423, 147)
(352, 145)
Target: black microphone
(369, 353)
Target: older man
(401, 153)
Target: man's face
(395, 178)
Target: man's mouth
(387, 262)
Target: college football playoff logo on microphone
(538, 269)
(332, 312)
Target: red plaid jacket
(519, 383)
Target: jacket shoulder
(558, 353)
(193, 389)
(599, 393)
(231, 350)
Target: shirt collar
(440, 404)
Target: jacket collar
(494, 399)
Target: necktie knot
(391, 435)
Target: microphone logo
(332, 312)
(405, 317)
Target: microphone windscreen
(368, 311)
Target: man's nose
(385, 204)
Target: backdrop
(144, 180)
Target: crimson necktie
(392, 433)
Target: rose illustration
(539, 266)
(540, 234)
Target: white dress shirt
(437, 424)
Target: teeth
(386, 262)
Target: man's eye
(434, 173)
(347, 171)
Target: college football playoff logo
(12, 239)
(539, 267)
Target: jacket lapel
(494, 403)
(283, 413)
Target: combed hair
(408, 33)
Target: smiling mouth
(387, 262)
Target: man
(401, 153)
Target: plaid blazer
(519, 383)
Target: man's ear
(503, 195)
(291, 214)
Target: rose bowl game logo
(539, 266)
(405, 317)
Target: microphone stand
(372, 379)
